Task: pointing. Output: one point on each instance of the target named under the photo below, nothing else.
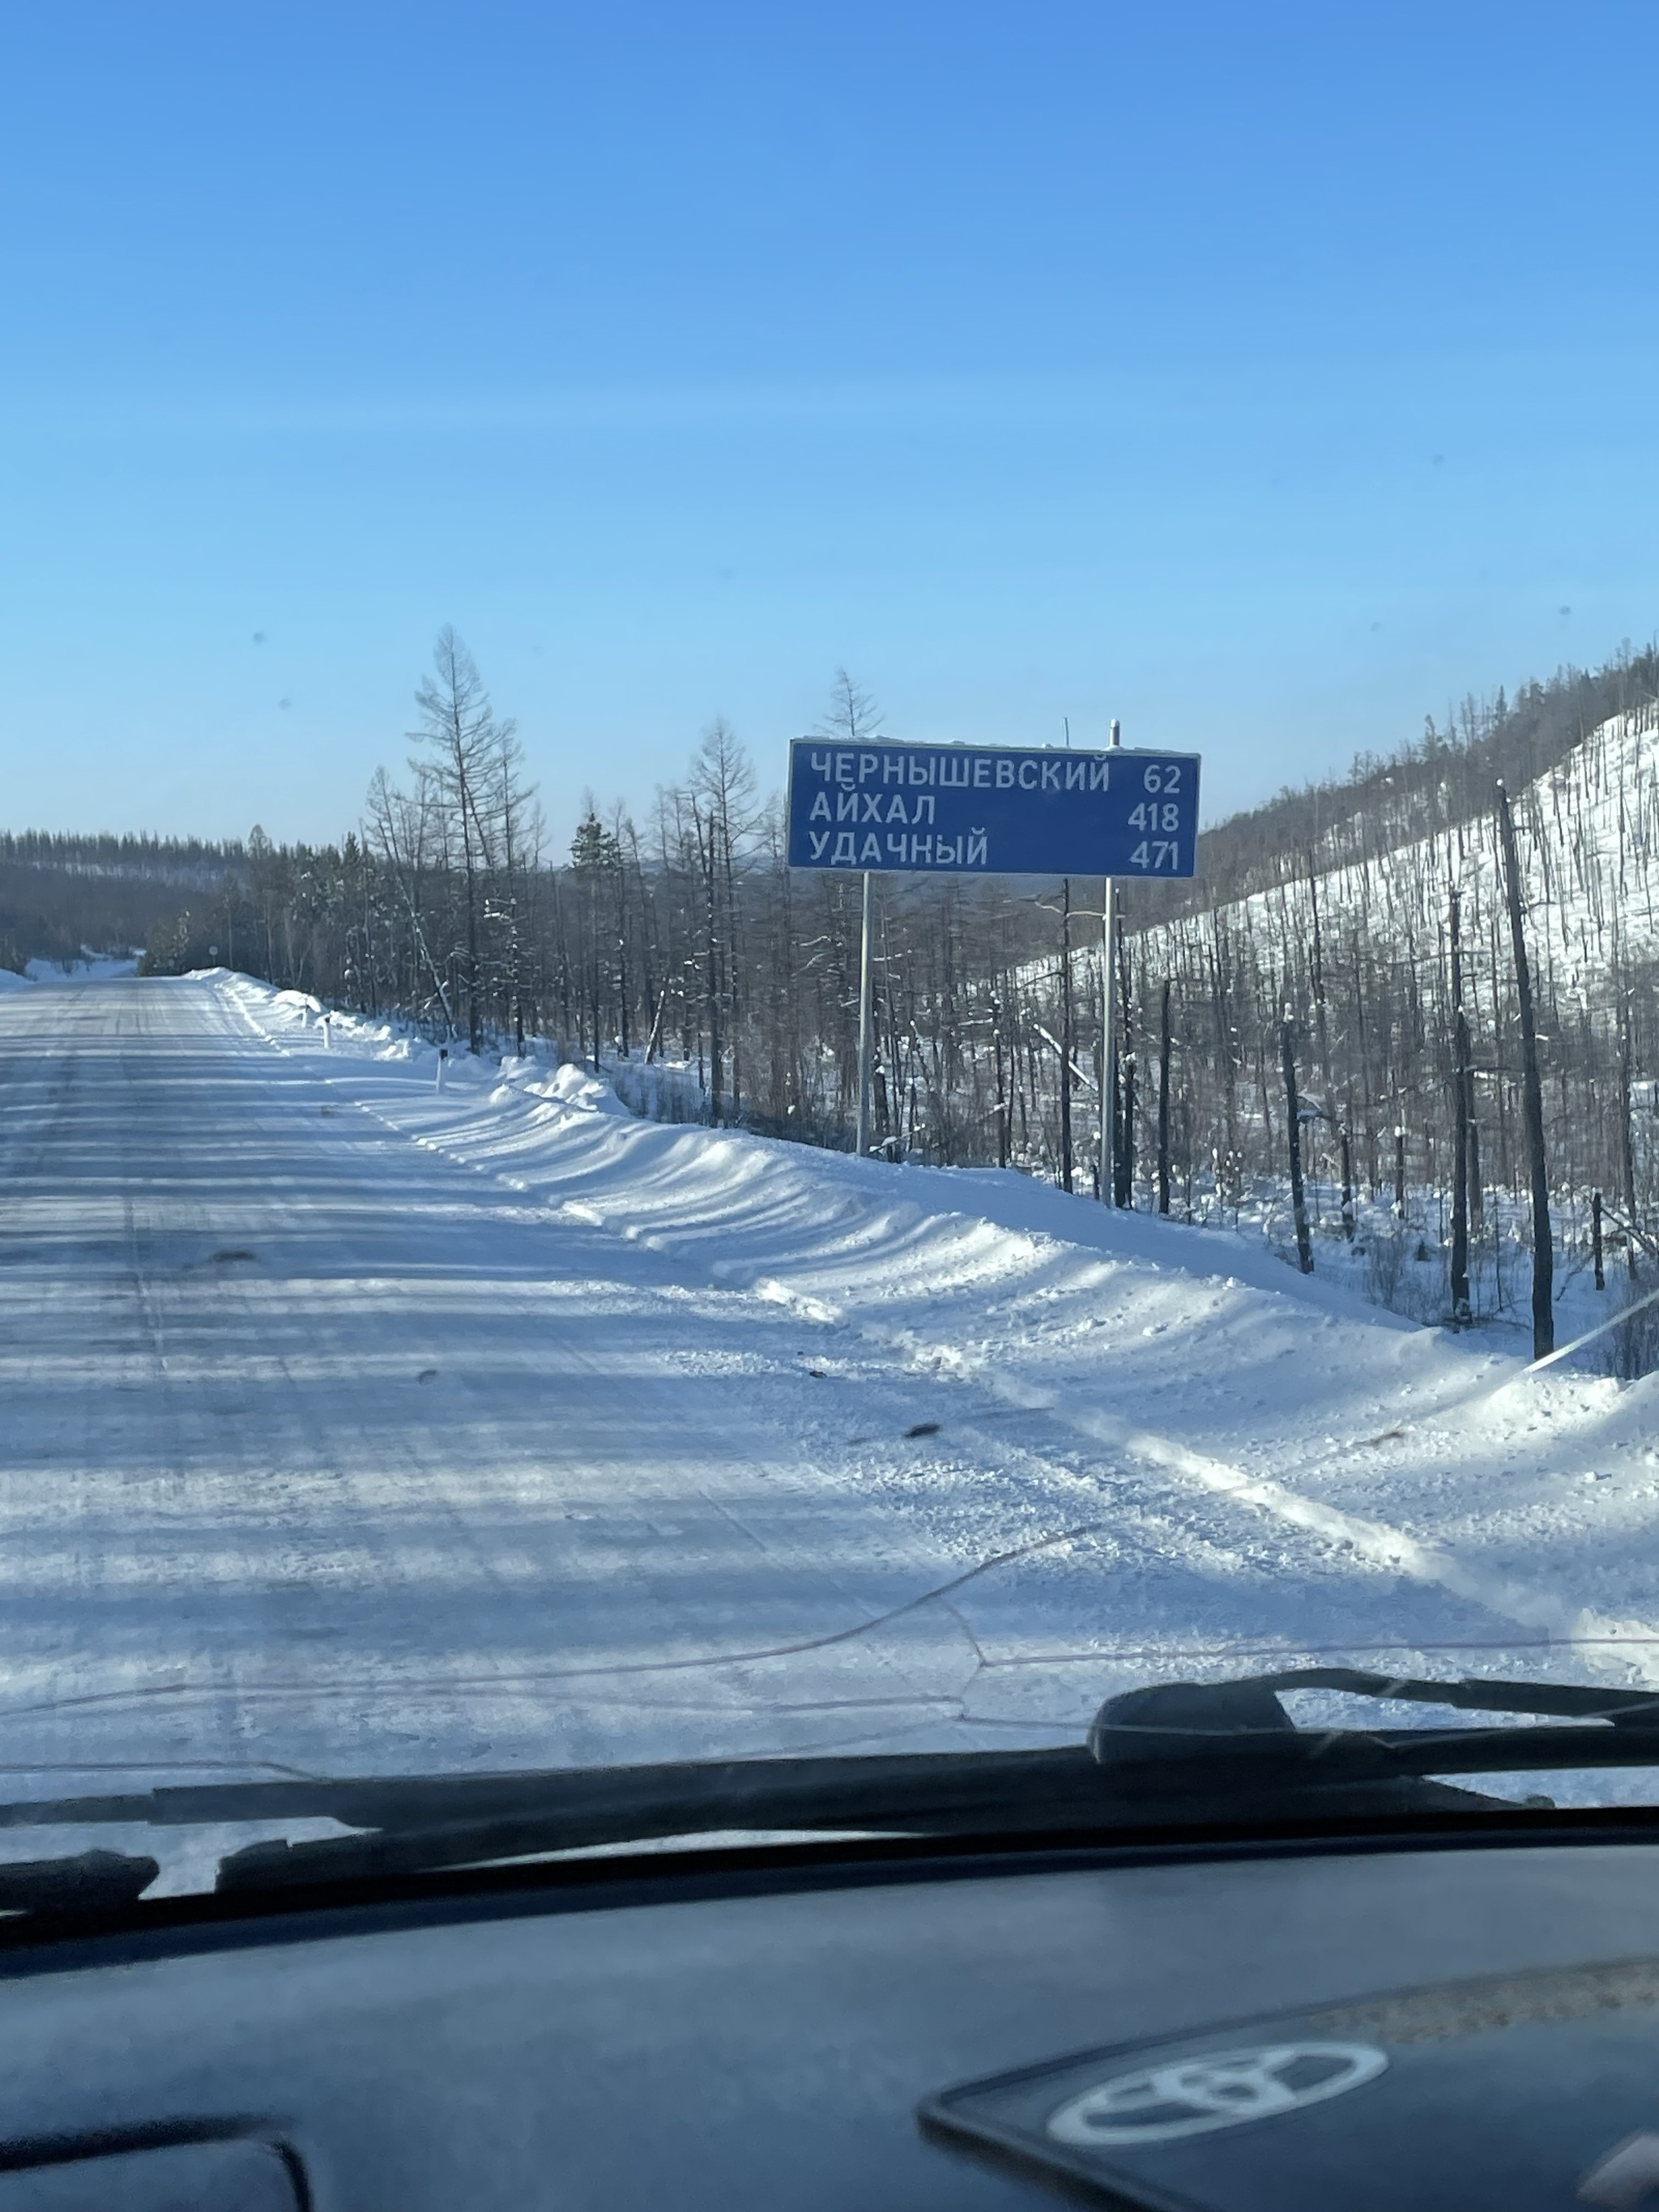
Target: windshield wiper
(1178, 1737)
(937, 1793)
(421, 1822)
(1172, 1751)
(92, 1881)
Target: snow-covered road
(348, 1427)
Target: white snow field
(349, 1426)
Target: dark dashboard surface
(775, 2048)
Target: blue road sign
(985, 809)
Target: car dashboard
(1203, 2027)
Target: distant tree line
(59, 894)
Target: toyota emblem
(1216, 2089)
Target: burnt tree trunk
(1004, 1105)
(1293, 1139)
(1123, 1153)
(1626, 1148)
(1164, 1102)
(1532, 1097)
(1347, 1184)
(1123, 1159)
(1460, 1078)
(711, 989)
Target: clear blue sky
(1265, 375)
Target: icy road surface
(348, 1426)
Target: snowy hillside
(1589, 836)
(1354, 955)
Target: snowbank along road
(351, 1426)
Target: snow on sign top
(985, 809)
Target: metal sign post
(1108, 978)
(866, 995)
(1107, 1103)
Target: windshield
(827, 896)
